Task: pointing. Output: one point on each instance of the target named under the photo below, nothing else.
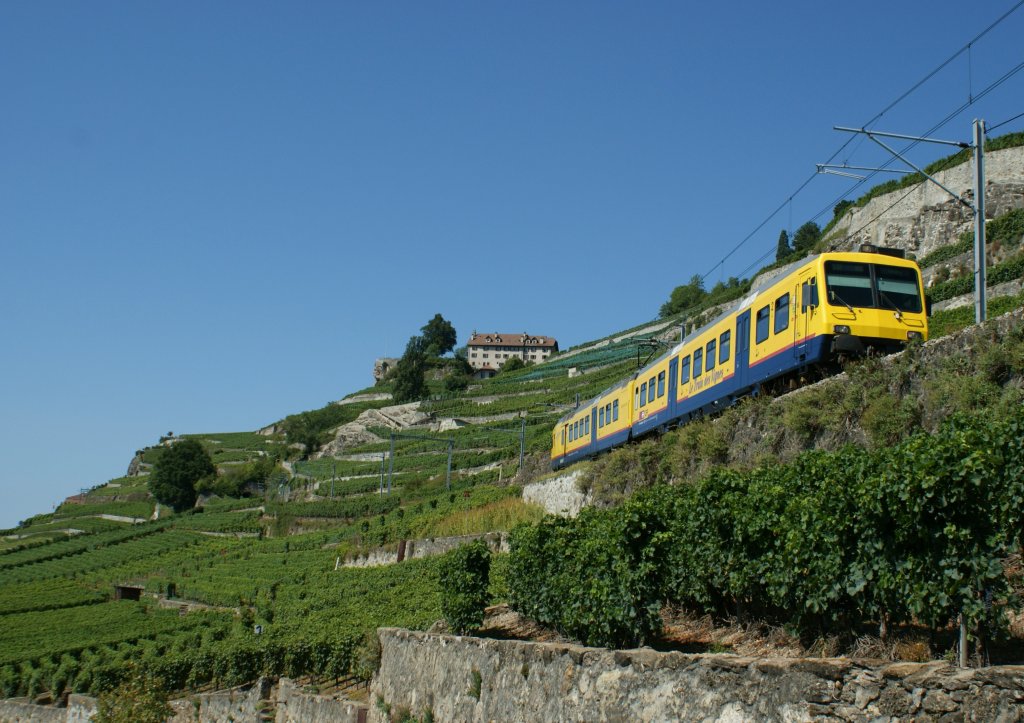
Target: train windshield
(873, 286)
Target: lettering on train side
(706, 381)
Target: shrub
(137, 700)
(463, 577)
(831, 541)
(598, 578)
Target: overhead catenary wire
(971, 100)
(995, 84)
(989, 129)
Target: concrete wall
(479, 679)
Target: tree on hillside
(438, 336)
(784, 249)
(304, 429)
(683, 297)
(806, 237)
(176, 472)
(512, 364)
(840, 208)
(408, 375)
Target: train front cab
(871, 302)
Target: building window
(782, 313)
(723, 347)
(698, 360)
(709, 358)
(763, 315)
(661, 384)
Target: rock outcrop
(397, 418)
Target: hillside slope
(274, 557)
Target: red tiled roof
(527, 340)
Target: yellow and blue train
(805, 318)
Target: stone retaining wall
(80, 709)
(223, 706)
(497, 541)
(480, 679)
(559, 495)
(296, 706)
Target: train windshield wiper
(895, 306)
(836, 297)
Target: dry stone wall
(559, 495)
(429, 547)
(284, 703)
(80, 709)
(925, 217)
(296, 706)
(479, 679)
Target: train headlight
(841, 329)
(914, 335)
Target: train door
(593, 427)
(742, 347)
(805, 297)
(673, 380)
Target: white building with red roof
(487, 353)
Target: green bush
(830, 542)
(598, 578)
(464, 575)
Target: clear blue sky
(216, 214)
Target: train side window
(763, 314)
(600, 417)
(586, 426)
(661, 384)
(650, 390)
(684, 370)
(723, 347)
(782, 313)
(709, 359)
(615, 410)
(608, 413)
(643, 394)
(698, 359)
(563, 436)
(636, 398)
